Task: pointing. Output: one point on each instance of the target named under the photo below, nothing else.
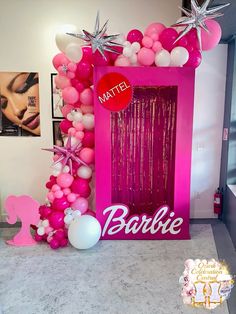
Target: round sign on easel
(114, 91)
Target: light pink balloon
(211, 39)
(65, 180)
(147, 42)
(157, 46)
(61, 81)
(59, 59)
(86, 97)
(66, 109)
(122, 61)
(71, 197)
(87, 155)
(80, 204)
(70, 95)
(87, 109)
(146, 56)
(154, 28)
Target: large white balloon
(63, 40)
(74, 52)
(162, 58)
(84, 232)
(179, 56)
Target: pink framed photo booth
(143, 155)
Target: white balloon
(74, 141)
(84, 232)
(66, 169)
(69, 116)
(74, 52)
(77, 116)
(84, 172)
(40, 231)
(179, 56)
(126, 43)
(135, 46)
(63, 40)
(133, 59)
(45, 223)
(57, 166)
(120, 39)
(88, 121)
(162, 58)
(127, 52)
(56, 173)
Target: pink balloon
(65, 125)
(210, 40)
(88, 140)
(66, 109)
(59, 59)
(70, 95)
(56, 220)
(86, 97)
(60, 204)
(71, 197)
(66, 191)
(64, 180)
(195, 58)
(84, 70)
(81, 186)
(147, 42)
(157, 46)
(154, 28)
(62, 81)
(168, 37)
(87, 109)
(135, 35)
(146, 56)
(50, 196)
(87, 155)
(58, 194)
(54, 244)
(122, 61)
(80, 204)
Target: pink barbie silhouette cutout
(26, 209)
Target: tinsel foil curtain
(143, 150)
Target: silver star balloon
(98, 40)
(197, 16)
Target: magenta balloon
(60, 203)
(65, 125)
(84, 70)
(195, 58)
(99, 60)
(56, 220)
(81, 186)
(168, 37)
(88, 140)
(135, 35)
(54, 244)
(87, 54)
(44, 211)
(182, 42)
(193, 39)
(211, 39)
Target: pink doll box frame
(165, 222)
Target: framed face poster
(56, 99)
(143, 151)
(57, 136)
(19, 99)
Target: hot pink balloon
(66, 109)
(99, 60)
(56, 220)
(70, 95)
(59, 235)
(135, 35)
(80, 204)
(192, 40)
(65, 125)
(81, 186)
(87, 54)
(44, 211)
(154, 28)
(63, 242)
(195, 58)
(86, 97)
(84, 70)
(60, 204)
(168, 37)
(91, 213)
(211, 39)
(146, 56)
(54, 244)
(64, 180)
(88, 140)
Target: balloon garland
(69, 186)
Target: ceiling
(228, 21)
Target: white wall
(207, 131)
(27, 30)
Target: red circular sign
(114, 91)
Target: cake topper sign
(160, 222)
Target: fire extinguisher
(218, 202)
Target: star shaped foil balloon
(197, 16)
(98, 40)
(67, 154)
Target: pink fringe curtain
(143, 150)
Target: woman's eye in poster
(19, 104)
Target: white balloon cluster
(69, 45)
(71, 215)
(57, 169)
(178, 57)
(130, 51)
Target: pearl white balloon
(179, 56)
(88, 121)
(126, 43)
(127, 52)
(84, 232)
(69, 116)
(63, 40)
(133, 59)
(74, 52)
(40, 231)
(162, 58)
(45, 223)
(77, 116)
(84, 172)
(66, 169)
(135, 46)
(74, 140)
